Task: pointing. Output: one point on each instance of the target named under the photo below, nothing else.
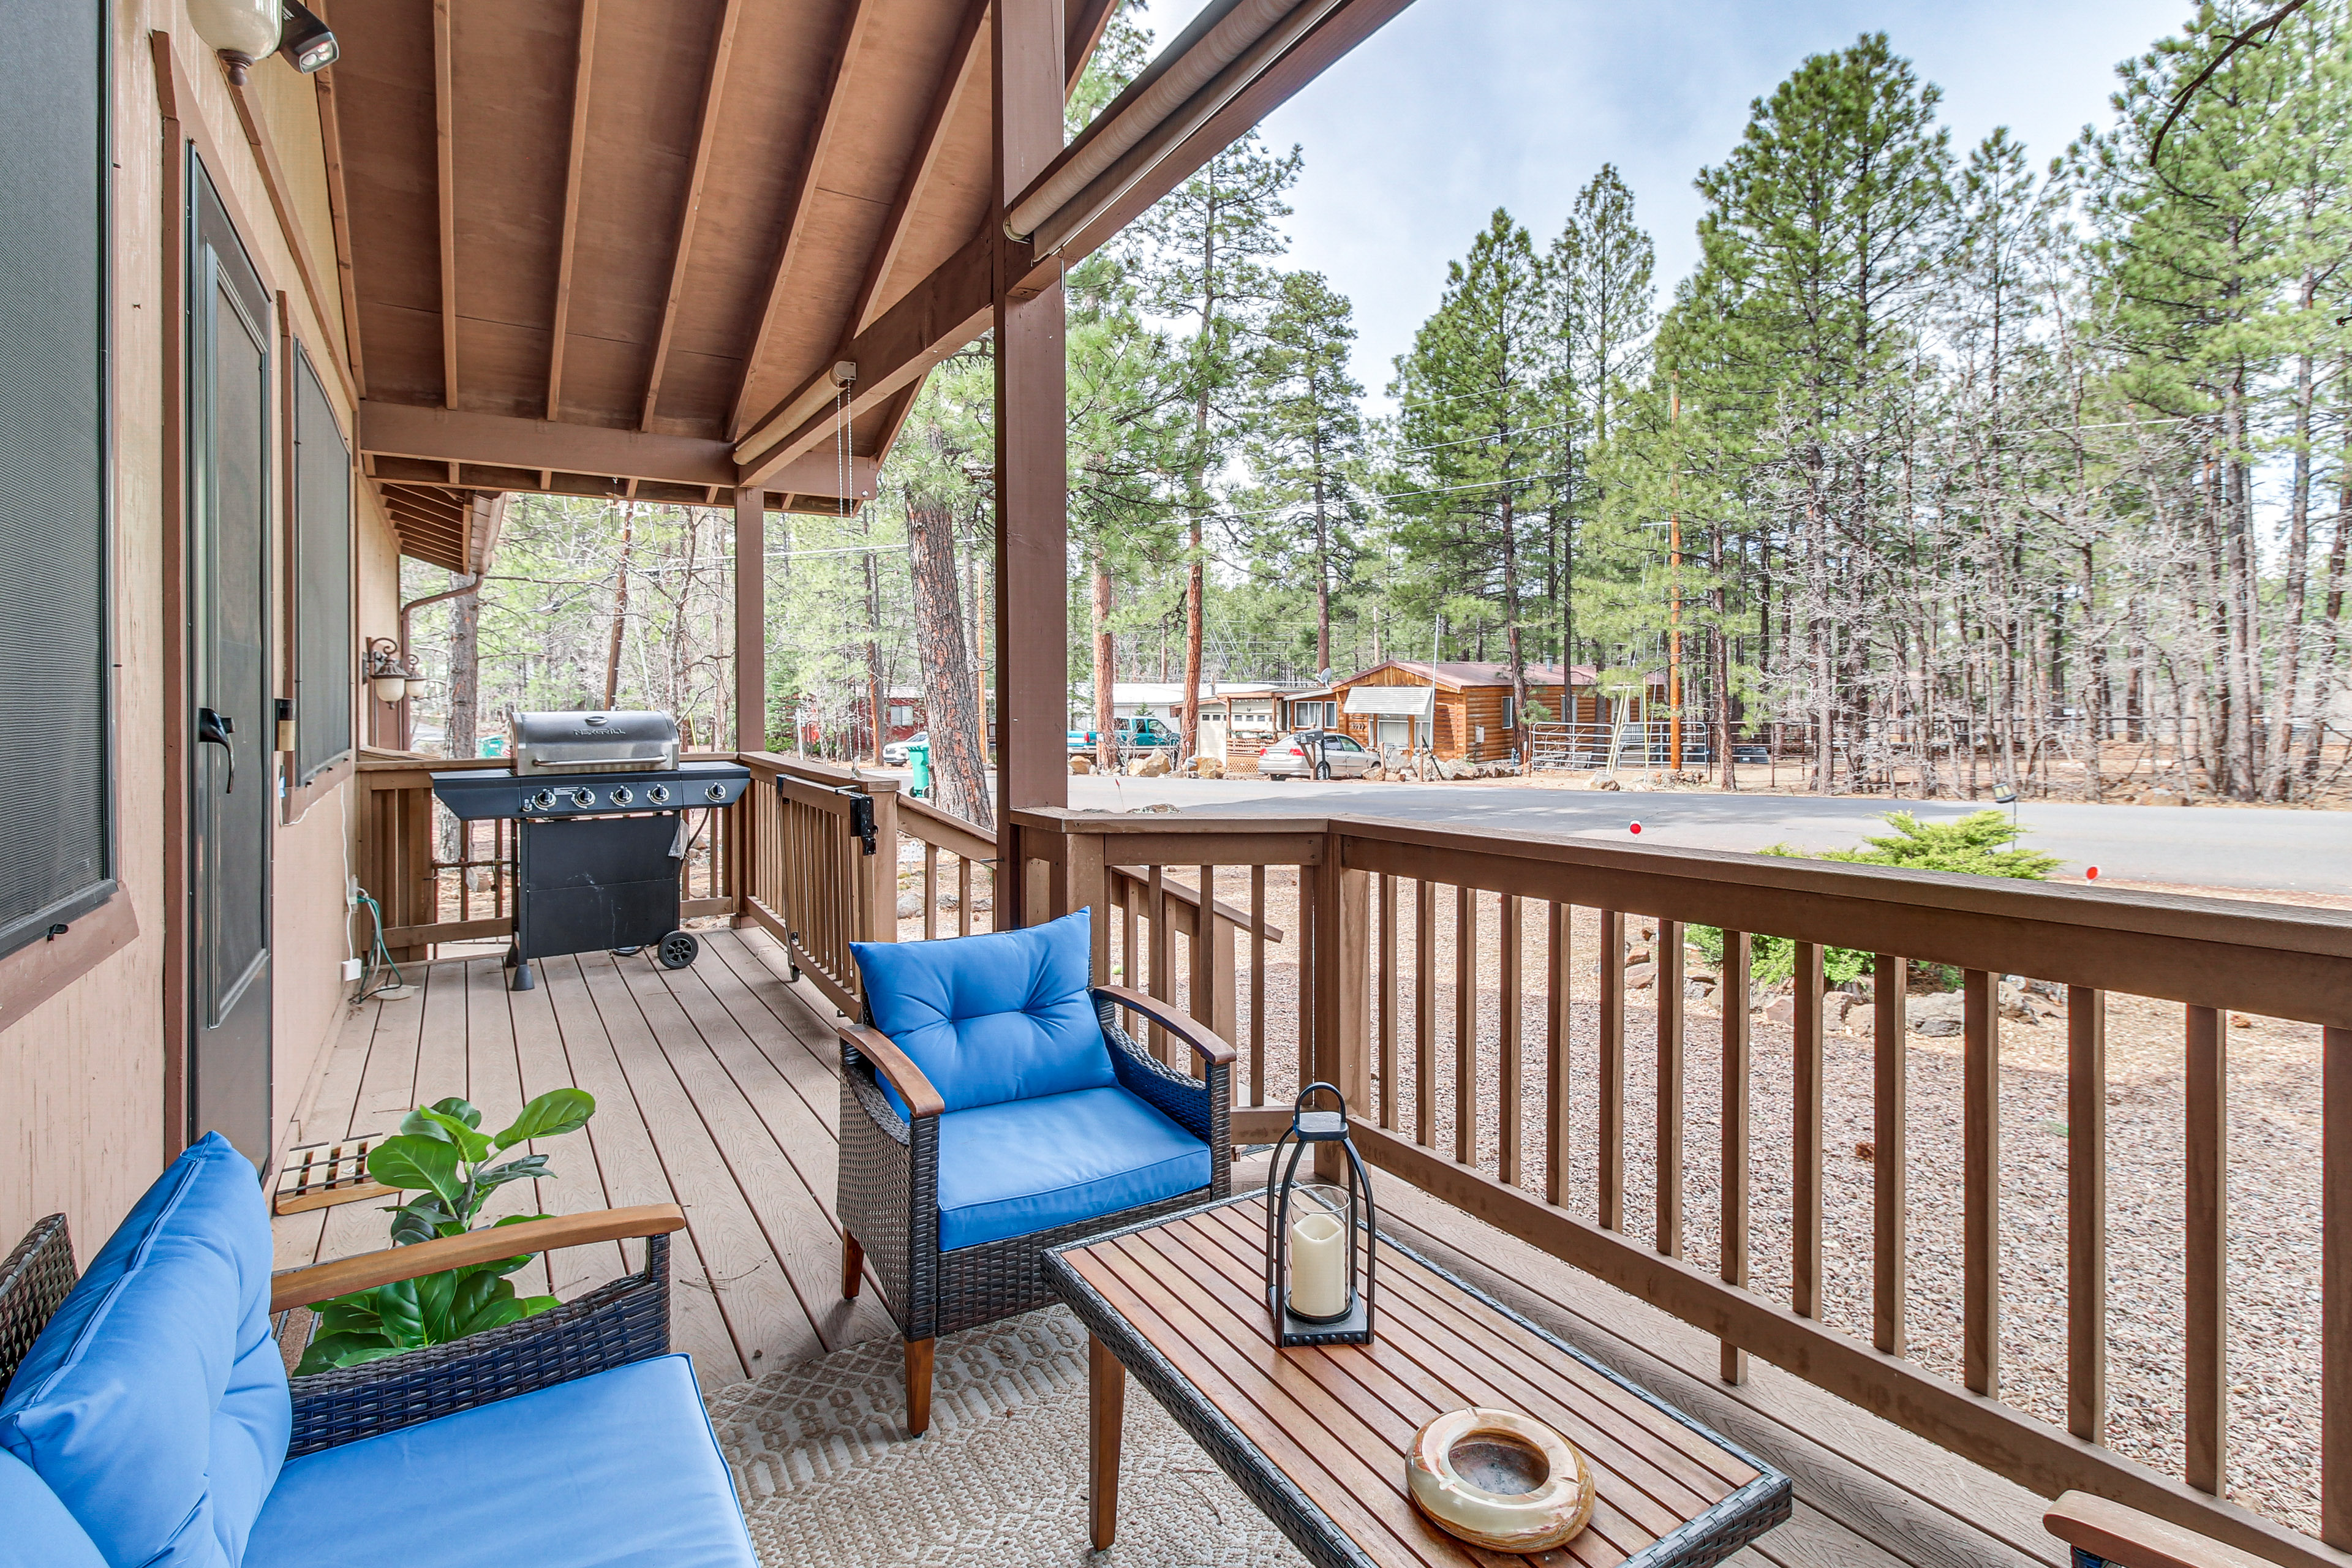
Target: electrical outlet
(352, 968)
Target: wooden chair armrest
(2126, 1535)
(1204, 1041)
(323, 1281)
(898, 1067)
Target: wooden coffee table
(1318, 1436)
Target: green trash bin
(919, 758)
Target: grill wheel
(679, 949)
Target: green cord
(379, 955)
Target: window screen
(324, 659)
(56, 837)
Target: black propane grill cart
(601, 805)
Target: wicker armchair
(625, 1321)
(890, 1182)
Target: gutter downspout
(467, 586)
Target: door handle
(214, 730)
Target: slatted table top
(1317, 1436)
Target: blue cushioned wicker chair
(991, 1108)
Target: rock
(1082, 764)
(1866, 1150)
(1782, 1012)
(1641, 976)
(2049, 988)
(909, 904)
(1600, 781)
(1698, 987)
(1940, 1013)
(1375, 773)
(1208, 768)
(1156, 764)
(2240, 1020)
(1639, 955)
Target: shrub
(1981, 844)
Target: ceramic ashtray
(1499, 1479)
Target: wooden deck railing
(1353, 878)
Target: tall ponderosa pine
(1307, 446)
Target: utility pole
(1675, 588)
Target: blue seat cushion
(154, 1404)
(1000, 1016)
(40, 1532)
(1033, 1164)
(616, 1470)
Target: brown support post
(1345, 1054)
(2206, 1242)
(1980, 1184)
(1086, 885)
(1106, 1414)
(1733, 993)
(1805, 1242)
(1611, 1177)
(751, 620)
(1890, 1244)
(1667, 971)
(1033, 694)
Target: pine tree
(1307, 445)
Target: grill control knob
(621, 795)
(583, 798)
(543, 801)
(717, 793)
(658, 795)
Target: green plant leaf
(529, 1168)
(550, 1115)
(413, 1161)
(436, 1295)
(348, 1315)
(431, 1122)
(328, 1351)
(475, 1291)
(532, 1306)
(421, 1220)
(404, 1316)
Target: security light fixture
(306, 42)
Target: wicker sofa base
(997, 1279)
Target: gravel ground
(2273, 1169)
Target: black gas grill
(600, 802)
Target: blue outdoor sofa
(150, 1420)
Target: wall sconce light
(388, 675)
(308, 45)
(241, 31)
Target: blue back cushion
(155, 1405)
(40, 1534)
(989, 1018)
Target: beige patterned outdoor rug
(829, 1480)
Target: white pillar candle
(1319, 1265)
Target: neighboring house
(1238, 722)
(1462, 711)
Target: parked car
(894, 755)
(1144, 734)
(1316, 754)
(1745, 752)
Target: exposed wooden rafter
(579, 145)
(444, 109)
(281, 202)
(537, 454)
(804, 186)
(435, 526)
(965, 58)
(1084, 24)
(713, 92)
(339, 218)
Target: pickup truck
(1145, 734)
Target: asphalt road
(2287, 851)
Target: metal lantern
(1318, 1253)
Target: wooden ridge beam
(796, 211)
(444, 134)
(964, 61)
(713, 90)
(585, 68)
(545, 448)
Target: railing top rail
(820, 773)
(2287, 961)
(921, 820)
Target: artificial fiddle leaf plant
(443, 1155)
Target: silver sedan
(1316, 754)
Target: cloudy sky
(1460, 106)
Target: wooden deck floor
(715, 1088)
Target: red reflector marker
(1637, 827)
(2091, 874)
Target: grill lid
(593, 743)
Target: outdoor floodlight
(307, 43)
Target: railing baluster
(1557, 1021)
(1732, 992)
(1805, 1223)
(2335, 1290)
(2086, 1213)
(963, 898)
(1666, 971)
(1507, 1110)
(1465, 1025)
(2207, 1246)
(1257, 985)
(930, 892)
(1424, 1013)
(1163, 982)
(1612, 1142)
(1202, 984)
(1388, 998)
(1890, 1235)
(1980, 1184)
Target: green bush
(1981, 844)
